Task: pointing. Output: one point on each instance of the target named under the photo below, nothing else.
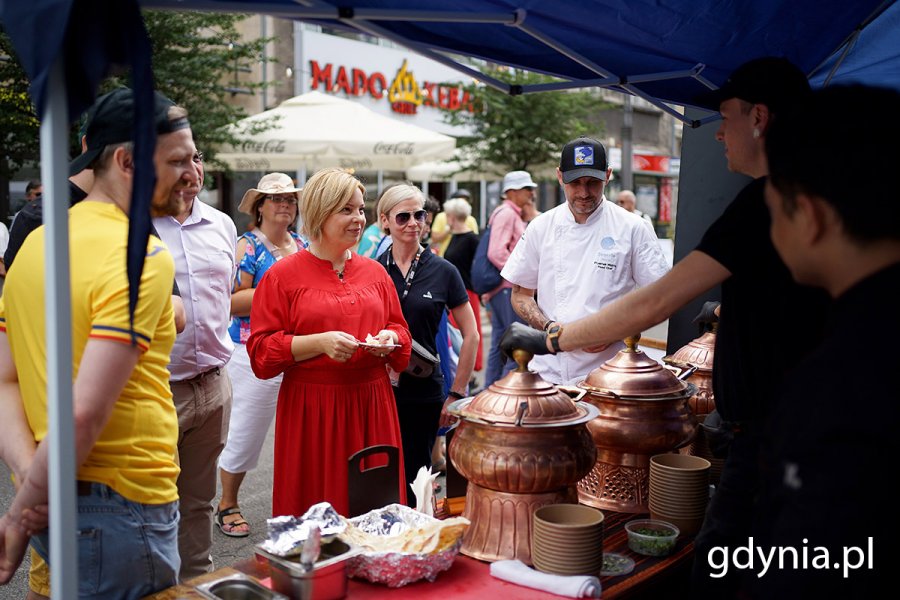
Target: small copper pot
(521, 444)
(699, 352)
(643, 411)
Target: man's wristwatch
(547, 325)
(455, 394)
(553, 335)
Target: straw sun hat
(273, 183)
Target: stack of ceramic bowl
(567, 539)
(679, 490)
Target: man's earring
(755, 133)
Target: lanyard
(410, 274)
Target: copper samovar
(521, 444)
(699, 353)
(643, 411)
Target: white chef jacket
(578, 269)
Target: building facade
(410, 88)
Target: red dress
(327, 410)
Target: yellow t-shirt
(440, 224)
(135, 453)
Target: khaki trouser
(203, 404)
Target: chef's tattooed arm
(525, 305)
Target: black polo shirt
(768, 322)
(832, 449)
(436, 287)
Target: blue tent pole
(54, 168)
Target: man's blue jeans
(125, 549)
(502, 316)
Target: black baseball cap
(773, 81)
(583, 157)
(111, 121)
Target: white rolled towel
(573, 586)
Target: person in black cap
(758, 298)
(126, 428)
(820, 465)
(95, 135)
(578, 257)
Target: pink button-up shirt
(203, 249)
(507, 227)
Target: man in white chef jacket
(578, 257)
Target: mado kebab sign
(390, 81)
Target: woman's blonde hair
(326, 192)
(459, 208)
(394, 195)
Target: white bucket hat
(516, 180)
(273, 183)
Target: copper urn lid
(697, 352)
(631, 373)
(523, 398)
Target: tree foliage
(18, 122)
(522, 131)
(195, 58)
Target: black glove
(522, 337)
(707, 317)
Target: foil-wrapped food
(287, 534)
(400, 545)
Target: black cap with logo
(775, 82)
(111, 121)
(583, 157)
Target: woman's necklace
(338, 272)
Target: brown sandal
(229, 528)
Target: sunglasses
(285, 199)
(402, 218)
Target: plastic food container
(326, 581)
(651, 537)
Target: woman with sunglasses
(427, 286)
(273, 206)
(310, 315)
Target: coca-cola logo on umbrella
(407, 148)
(266, 147)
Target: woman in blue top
(273, 205)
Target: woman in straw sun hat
(273, 206)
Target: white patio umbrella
(451, 170)
(456, 170)
(315, 130)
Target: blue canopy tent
(666, 52)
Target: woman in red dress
(309, 313)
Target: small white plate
(383, 346)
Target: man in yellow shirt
(125, 423)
